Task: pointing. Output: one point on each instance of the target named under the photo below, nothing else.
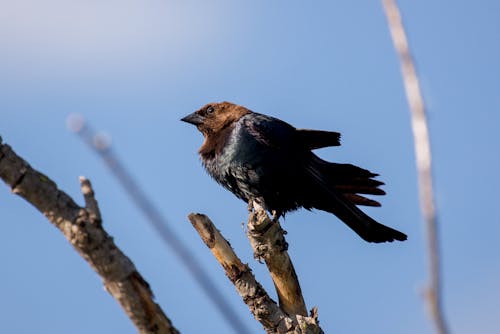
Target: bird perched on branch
(261, 158)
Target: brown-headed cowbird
(261, 158)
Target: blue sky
(134, 68)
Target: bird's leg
(276, 216)
(250, 205)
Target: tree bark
(268, 243)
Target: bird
(264, 159)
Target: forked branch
(83, 229)
(263, 308)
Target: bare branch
(268, 243)
(82, 227)
(263, 308)
(423, 157)
(260, 304)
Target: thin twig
(423, 157)
(263, 308)
(268, 242)
(101, 146)
(83, 229)
(90, 201)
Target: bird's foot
(250, 206)
(276, 216)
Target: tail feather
(336, 191)
(351, 178)
(365, 226)
(361, 189)
(351, 181)
(360, 200)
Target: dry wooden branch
(423, 157)
(268, 242)
(263, 308)
(83, 229)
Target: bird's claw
(276, 216)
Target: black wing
(277, 133)
(314, 139)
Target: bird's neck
(215, 142)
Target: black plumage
(265, 159)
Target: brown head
(215, 121)
(214, 117)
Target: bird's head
(214, 117)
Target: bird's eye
(210, 110)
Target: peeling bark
(268, 242)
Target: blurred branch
(100, 144)
(423, 157)
(268, 243)
(263, 308)
(83, 229)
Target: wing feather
(314, 139)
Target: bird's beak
(194, 118)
